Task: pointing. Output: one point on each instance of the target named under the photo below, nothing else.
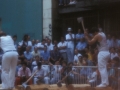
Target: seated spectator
(62, 46)
(114, 42)
(85, 58)
(85, 72)
(18, 66)
(20, 52)
(40, 46)
(93, 77)
(55, 55)
(56, 76)
(34, 63)
(77, 58)
(88, 52)
(79, 35)
(28, 56)
(23, 74)
(113, 53)
(65, 2)
(109, 41)
(35, 52)
(39, 75)
(45, 55)
(94, 56)
(81, 45)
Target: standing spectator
(49, 45)
(23, 74)
(41, 45)
(109, 41)
(15, 41)
(55, 55)
(26, 41)
(33, 45)
(45, 55)
(79, 35)
(70, 42)
(62, 46)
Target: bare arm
(94, 39)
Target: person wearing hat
(70, 45)
(9, 61)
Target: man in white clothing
(9, 61)
(103, 55)
(62, 46)
(70, 45)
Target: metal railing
(81, 75)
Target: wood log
(106, 88)
(55, 87)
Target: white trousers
(103, 58)
(70, 54)
(9, 62)
(46, 80)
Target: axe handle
(83, 25)
(31, 76)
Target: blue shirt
(28, 55)
(45, 55)
(79, 35)
(85, 71)
(81, 45)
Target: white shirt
(56, 73)
(60, 44)
(49, 47)
(40, 73)
(76, 57)
(70, 44)
(29, 43)
(109, 43)
(7, 43)
(39, 45)
(93, 77)
(113, 55)
(46, 69)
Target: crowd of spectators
(55, 60)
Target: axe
(80, 20)
(39, 81)
(25, 86)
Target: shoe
(101, 86)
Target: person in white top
(41, 45)
(70, 45)
(113, 53)
(49, 45)
(62, 46)
(9, 61)
(77, 57)
(103, 55)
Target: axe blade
(80, 19)
(59, 84)
(25, 85)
